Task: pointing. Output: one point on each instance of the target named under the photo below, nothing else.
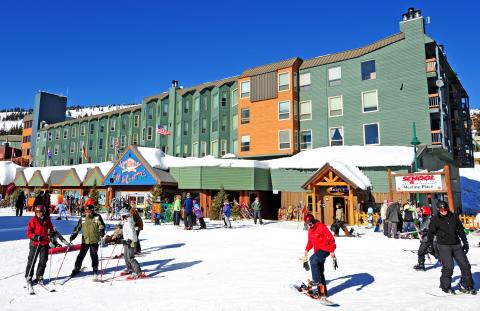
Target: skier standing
(257, 211)
(38, 231)
(199, 214)
(20, 204)
(138, 227)
(226, 214)
(188, 212)
(177, 205)
(449, 230)
(129, 241)
(392, 218)
(323, 244)
(424, 216)
(93, 228)
(409, 215)
(383, 215)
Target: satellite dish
(439, 82)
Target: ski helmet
(39, 208)
(89, 208)
(426, 211)
(309, 219)
(442, 205)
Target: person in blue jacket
(226, 214)
(188, 212)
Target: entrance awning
(338, 173)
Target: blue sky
(112, 52)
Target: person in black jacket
(20, 204)
(449, 230)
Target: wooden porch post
(351, 207)
(390, 186)
(449, 188)
(314, 201)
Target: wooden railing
(431, 65)
(433, 101)
(436, 137)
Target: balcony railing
(431, 65)
(437, 137)
(433, 101)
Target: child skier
(323, 244)
(226, 215)
(425, 215)
(129, 240)
(199, 214)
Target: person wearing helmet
(449, 230)
(323, 244)
(129, 240)
(93, 229)
(424, 218)
(38, 231)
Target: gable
(36, 180)
(94, 176)
(20, 180)
(71, 179)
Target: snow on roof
(8, 170)
(81, 169)
(352, 173)
(359, 156)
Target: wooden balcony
(436, 137)
(433, 101)
(431, 65)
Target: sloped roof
(348, 173)
(349, 54)
(200, 87)
(269, 67)
(155, 97)
(57, 176)
(165, 177)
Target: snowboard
(303, 290)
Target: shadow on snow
(359, 279)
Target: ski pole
(114, 271)
(114, 246)
(50, 267)
(101, 256)
(58, 273)
(33, 260)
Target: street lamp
(415, 142)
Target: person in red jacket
(38, 231)
(323, 244)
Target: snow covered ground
(470, 185)
(246, 268)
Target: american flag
(162, 131)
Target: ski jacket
(424, 225)
(136, 218)
(256, 206)
(197, 210)
(320, 238)
(188, 205)
(177, 205)
(92, 228)
(448, 229)
(226, 210)
(339, 215)
(392, 213)
(409, 213)
(383, 211)
(39, 227)
(129, 230)
(20, 203)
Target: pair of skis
(31, 291)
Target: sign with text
(419, 182)
(129, 170)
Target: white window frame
(136, 120)
(223, 147)
(241, 89)
(185, 151)
(329, 108)
(330, 137)
(214, 151)
(195, 149)
(289, 139)
(289, 110)
(242, 119)
(234, 122)
(57, 134)
(378, 129)
(375, 72)
(363, 104)
(55, 150)
(300, 139)
(300, 107)
(149, 133)
(50, 136)
(334, 80)
(309, 79)
(112, 125)
(65, 133)
(135, 139)
(289, 82)
(234, 102)
(82, 130)
(249, 143)
(203, 147)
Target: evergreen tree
(217, 204)
(156, 194)
(94, 194)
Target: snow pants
(226, 221)
(35, 252)
(129, 255)
(202, 223)
(386, 226)
(93, 255)
(257, 214)
(188, 219)
(392, 226)
(422, 252)
(317, 264)
(447, 254)
(176, 218)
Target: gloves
(72, 237)
(305, 263)
(37, 238)
(465, 247)
(430, 249)
(335, 265)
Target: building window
(368, 70)
(234, 97)
(245, 143)
(203, 148)
(223, 147)
(204, 125)
(335, 106)
(186, 106)
(196, 104)
(284, 110)
(136, 120)
(90, 144)
(371, 134)
(65, 133)
(177, 150)
(150, 112)
(283, 81)
(284, 139)
(214, 148)
(149, 133)
(306, 139)
(50, 136)
(195, 150)
(195, 127)
(165, 109)
(112, 125)
(82, 130)
(204, 103)
(336, 136)
(235, 146)
(57, 134)
(102, 127)
(185, 128)
(295, 110)
(100, 143)
(370, 101)
(224, 99)
(123, 141)
(305, 80)
(81, 145)
(306, 110)
(55, 150)
(143, 134)
(214, 125)
(72, 147)
(64, 148)
(63, 162)
(224, 123)
(245, 89)
(235, 122)
(245, 116)
(215, 101)
(179, 129)
(334, 76)
(124, 123)
(185, 150)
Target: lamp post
(415, 142)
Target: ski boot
(95, 277)
(135, 276)
(75, 272)
(449, 291)
(419, 267)
(125, 272)
(467, 290)
(29, 280)
(40, 280)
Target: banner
(419, 182)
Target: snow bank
(8, 170)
